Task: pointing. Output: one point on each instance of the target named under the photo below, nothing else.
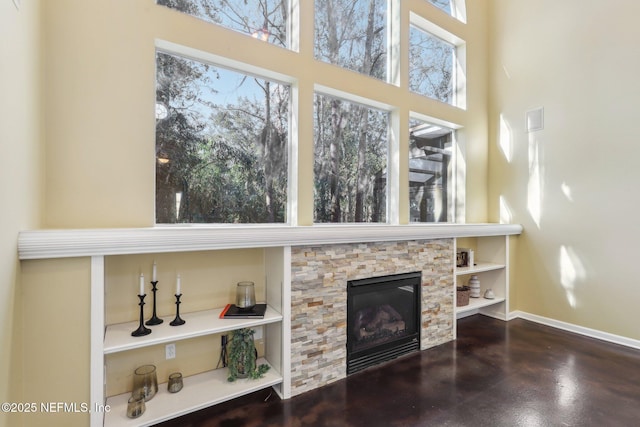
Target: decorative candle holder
(155, 320)
(142, 330)
(177, 321)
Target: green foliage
(242, 356)
(228, 162)
(351, 154)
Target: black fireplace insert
(383, 319)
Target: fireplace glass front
(383, 318)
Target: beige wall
(20, 178)
(573, 184)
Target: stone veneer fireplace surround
(319, 276)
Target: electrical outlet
(257, 333)
(170, 351)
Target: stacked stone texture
(319, 276)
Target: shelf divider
(476, 303)
(118, 336)
(478, 268)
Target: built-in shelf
(492, 270)
(476, 303)
(199, 392)
(209, 388)
(118, 336)
(478, 268)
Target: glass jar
(175, 382)
(145, 382)
(135, 406)
(245, 295)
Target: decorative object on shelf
(145, 382)
(142, 330)
(245, 295)
(155, 320)
(462, 296)
(178, 320)
(489, 294)
(224, 357)
(242, 356)
(135, 405)
(474, 286)
(464, 257)
(232, 311)
(175, 382)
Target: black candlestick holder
(142, 330)
(177, 321)
(155, 320)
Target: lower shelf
(476, 303)
(199, 392)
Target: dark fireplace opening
(383, 319)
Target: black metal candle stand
(155, 320)
(177, 321)
(142, 330)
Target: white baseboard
(593, 333)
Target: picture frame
(463, 257)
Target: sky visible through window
(222, 136)
(442, 4)
(266, 20)
(222, 148)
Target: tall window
(224, 118)
(221, 144)
(353, 35)
(351, 152)
(430, 172)
(455, 8)
(431, 66)
(442, 4)
(266, 20)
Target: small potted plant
(242, 355)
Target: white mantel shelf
(41, 244)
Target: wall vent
(535, 120)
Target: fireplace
(383, 319)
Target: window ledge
(40, 244)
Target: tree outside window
(266, 20)
(221, 145)
(222, 136)
(443, 4)
(431, 66)
(353, 35)
(351, 152)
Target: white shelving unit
(203, 389)
(118, 337)
(492, 269)
(210, 387)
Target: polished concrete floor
(497, 373)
